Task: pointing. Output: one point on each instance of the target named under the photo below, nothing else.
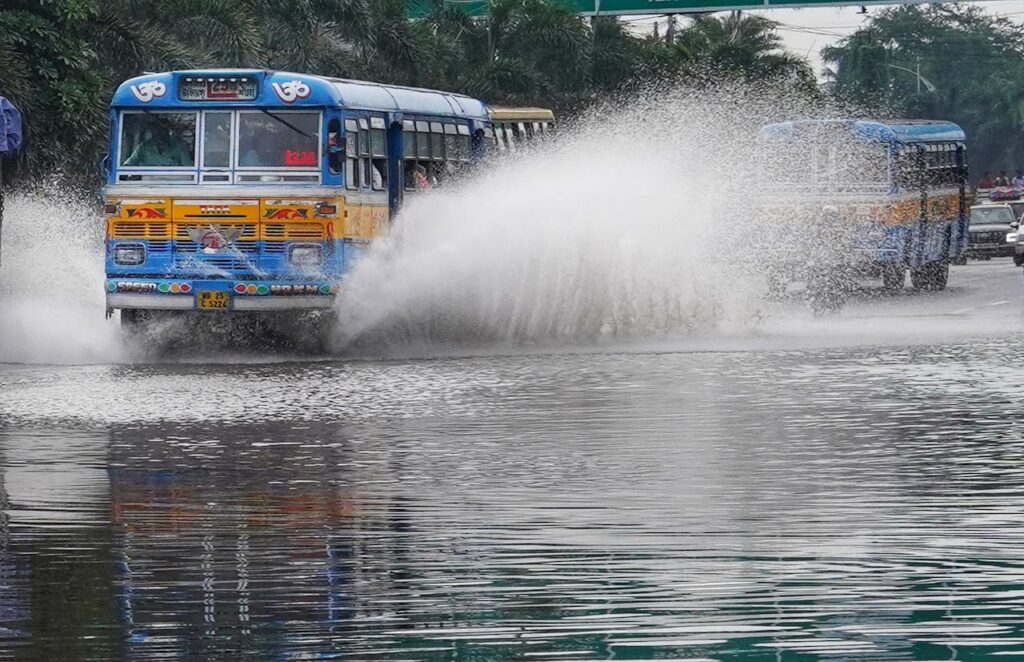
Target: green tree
(62, 59)
(53, 77)
(973, 64)
(742, 46)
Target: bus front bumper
(218, 296)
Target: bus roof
(280, 89)
(510, 114)
(904, 131)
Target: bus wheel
(940, 276)
(930, 277)
(893, 277)
(825, 293)
(131, 319)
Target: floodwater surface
(857, 503)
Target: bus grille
(214, 262)
(294, 232)
(140, 230)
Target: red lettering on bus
(299, 158)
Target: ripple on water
(842, 504)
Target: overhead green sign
(419, 8)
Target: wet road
(844, 488)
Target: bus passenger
(421, 179)
(146, 152)
(376, 179)
(175, 152)
(1002, 180)
(1018, 180)
(986, 181)
(409, 176)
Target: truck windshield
(158, 140)
(991, 216)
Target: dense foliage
(972, 72)
(61, 59)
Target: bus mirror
(105, 166)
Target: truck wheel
(893, 277)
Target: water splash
(51, 282)
(625, 228)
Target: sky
(807, 31)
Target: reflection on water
(840, 504)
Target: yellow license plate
(213, 300)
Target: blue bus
(255, 191)
(861, 197)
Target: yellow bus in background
(516, 127)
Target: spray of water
(51, 282)
(635, 224)
(632, 225)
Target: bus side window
(335, 155)
(437, 141)
(451, 143)
(351, 154)
(408, 154)
(379, 153)
(423, 141)
(435, 169)
(465, 150)
(364, 153)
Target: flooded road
(850, 488)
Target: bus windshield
(836, 165)
(161, 139)
(278, 139)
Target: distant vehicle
(864, 198)
(514, 127)
(256, 191)
(990, 227)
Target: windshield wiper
(286, 123)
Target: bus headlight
(306, 255)
(129, 255)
